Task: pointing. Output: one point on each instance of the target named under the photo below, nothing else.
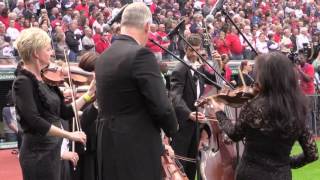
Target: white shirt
(13, 33)
(262, 47)
(285, 44)
(249, 38)
(195, 65)
(78, 31)
(301, 39)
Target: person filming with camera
(306, 81)
(306, 74)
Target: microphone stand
(197, 110)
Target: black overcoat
(134, 107)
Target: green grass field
(308, 172)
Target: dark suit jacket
(184, 94)
(134, 106)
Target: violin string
(193, 160)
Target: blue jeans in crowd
(73, 56)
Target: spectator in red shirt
(4, 18)
(233, 41)
(165, 42)
(306, 74)
(57, 21)
(221, 45)
(97, 36)
(156, 37)
(277, 36)
(83, 7)
(103, 43)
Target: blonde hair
(29, 41)
(136, 15)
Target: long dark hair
(286, 106)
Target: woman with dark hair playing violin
(270, 123)
(41, 109)
(245, 70)
(87, 166)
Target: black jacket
(134, 106)
(72, 41)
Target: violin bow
(76, 121)
(241, 77)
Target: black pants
(184, 147)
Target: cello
(219, 159)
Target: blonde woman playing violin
(41, 109)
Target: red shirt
(96, 38)
(163, 35)
(234, 43)
(18, 26)
(153, 8)
(156, 37)
(91, 20)
(221, 46)
(277, 37)
(5, 21)
(84, 8)
(308, 87)
(101, 45)
(228, 72)
(55, 22)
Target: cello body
(219, 160)
(171, 169)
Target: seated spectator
(10, 120)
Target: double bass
(219, 158)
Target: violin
(233, 98)
(57, 75)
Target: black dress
(39, 106)
(87, 167)
(266, 154)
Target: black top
(248, 79)
(265, 148)
(38, 104)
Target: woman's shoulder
(25, 80)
